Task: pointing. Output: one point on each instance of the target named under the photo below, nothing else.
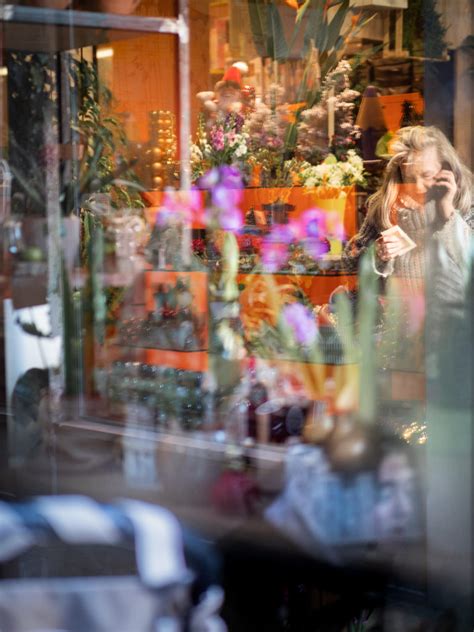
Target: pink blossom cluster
(311, 230)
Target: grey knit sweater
(442, 249)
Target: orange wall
(144, 70)
(144, 75)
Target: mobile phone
(438, 190)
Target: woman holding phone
(425, 200)
(420, 223)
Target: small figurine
(228, 95)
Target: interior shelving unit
(60, 32)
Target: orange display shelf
(186, 360)
(318, 288)
(300, 198)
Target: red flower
(199, 246)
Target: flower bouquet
(329, 126)
(267, 127)
(329, 185)
(333, 174)
(223, 143)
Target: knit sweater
(441, 248)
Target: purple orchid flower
(234, 120)
(229, 218)
(316, 248)
(313, 223)
(226, 175)
(302, 323)
(283, 234)
(209, 179)
(225, 186)
(230, 177)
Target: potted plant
(331, 182)
(88, 166)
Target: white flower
(195, 153)
(233, 140)
(241, 150)
(336, 174)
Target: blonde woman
(427, 192)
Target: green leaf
(258, 23)
(291, 136)
(335, 26)
(328, 64)
(345, 326)
(279, 46)
(367, 311)
(302, 10)
(313, 25)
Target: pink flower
(300, 319)
(231, 219)
(180, 206)
(334, 225)
(275, 246)
(225, 197)
(217, 138)
(274, 255)
(282, 233)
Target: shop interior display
(286, 222)
(179, 273)
(227, 307)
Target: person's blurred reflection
(395, 509)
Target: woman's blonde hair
(415, 139)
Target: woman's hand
(388, 247)
(446, 188)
